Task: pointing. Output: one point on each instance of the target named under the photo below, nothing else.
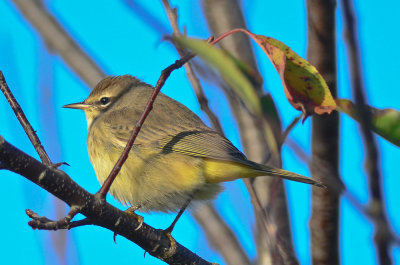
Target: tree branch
(324, 222)
(220, 235)
(101, 213)
(154, 22)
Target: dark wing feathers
(191, 138)
(202, 143)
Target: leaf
(252, 75)
(228, 69)
(304, 87)
(270, 112)
(385, 122)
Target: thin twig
(24, 121)
(283, 138)
(43, 223)
(382, 233)
(289, 128)
(163, 77)
(266, 222)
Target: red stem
(160, 83)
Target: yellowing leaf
(228, 69)
(304, 87)
(385, 122)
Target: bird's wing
(173, 134)
(201, 143)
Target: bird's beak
(80, 105)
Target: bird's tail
(277, 172)
(216, 171)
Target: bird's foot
(131, 211)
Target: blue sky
(123, 43)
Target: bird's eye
(104, 100)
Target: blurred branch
(218, 233)
(51, 132)
(24, 121)
(194, 81)
(222, 16)
(324, 222)
(220, 236)
(57, 38)
(152, 21)
(376, 205)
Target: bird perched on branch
(175, 158)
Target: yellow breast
(154, 180)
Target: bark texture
(324, 223)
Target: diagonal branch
(103, 214)
(60, 41)
(220, 235)
(194, 81)
(288, 129)
(145, 15)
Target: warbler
(175, 157)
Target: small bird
(175, 158)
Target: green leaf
(228, 69)
(252, 75)
(385, 122)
